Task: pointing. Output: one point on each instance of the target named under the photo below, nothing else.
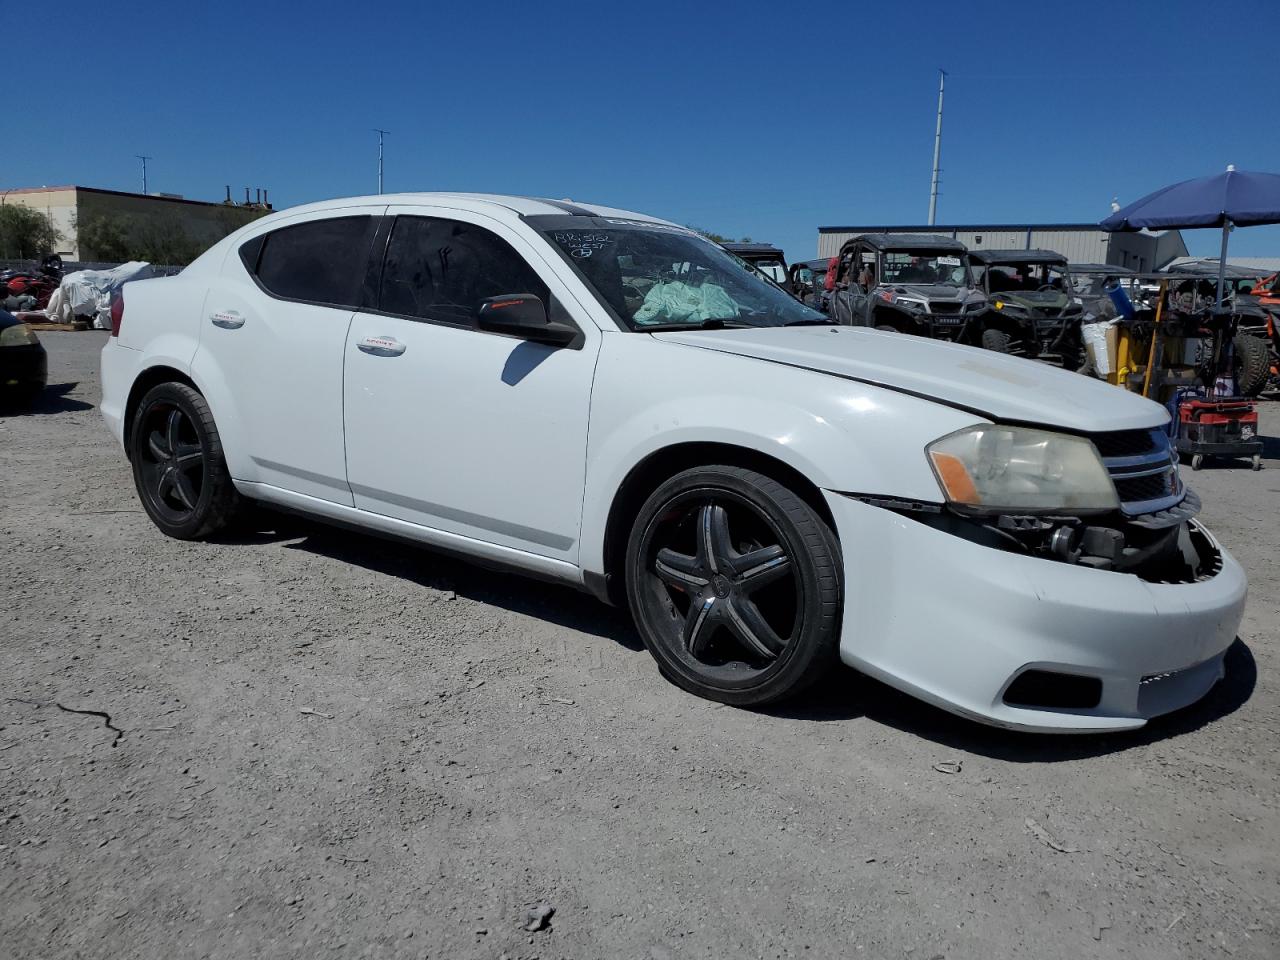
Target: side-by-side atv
(917, 284)
(1034, 311)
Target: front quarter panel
(840, 434)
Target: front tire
(997, 340)
(178, 467)
(735, 585)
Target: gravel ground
(309, 743)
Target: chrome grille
(1143, 467)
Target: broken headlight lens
(999, 469)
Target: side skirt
(466, 548)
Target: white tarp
(87, 293)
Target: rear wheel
(178, 466)
(735, 585)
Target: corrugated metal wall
(1142, 252)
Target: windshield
(1014, 277)
(652, 276)
(921, 266)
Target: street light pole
(144, 160)
(381, 134)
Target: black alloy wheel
(178, 467)
(734, 582)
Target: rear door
(271, 350)
(465, 431)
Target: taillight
(117, 312)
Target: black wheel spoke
(697, 625)
(715, 549)
(184, 490)
(188, 454)
(679, 570)
(155, 443)
(761, 567)
(745, 622)
(173, 429)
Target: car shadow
(552, 602)
(842, 695)
(52, 399)
(846, 695)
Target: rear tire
(735, 585)
(178, 466)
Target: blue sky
(744, 118)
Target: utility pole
(937, 150)
(381, 134)
(144, 160)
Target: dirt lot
(325, 745)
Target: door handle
(381, 346)
(227, 319)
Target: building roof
(909, 241)
(167, 198)
(1016, 256)
(964, 227)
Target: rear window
(320, 261)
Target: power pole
(937, 150)
(381, 134)
(144, 160)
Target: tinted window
(442, 269)
(322, 261)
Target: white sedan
(610, 400)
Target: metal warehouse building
(1078, 242)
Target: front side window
(442, 269)
(653, 276)
(320, 261)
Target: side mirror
(522, 315)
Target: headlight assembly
(1000, 469)
(18, 335)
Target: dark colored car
(806, 279)
(1033, 312)
(908, 283)
(765, 257)
(24, 366)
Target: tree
(717, 238)
(26, 234)
(103, 238)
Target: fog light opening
(1048, 690)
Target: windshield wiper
(711, 323)
(824, 322)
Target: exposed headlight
(911, 303)
(18, 335)
(999, 469)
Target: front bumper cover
(955, 623)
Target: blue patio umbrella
(1236, 198)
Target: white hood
(992, 384)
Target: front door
(469, 432)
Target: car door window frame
(260, 242)
(556, 308)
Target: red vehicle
(38, 284)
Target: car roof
(523, 206)
(1016, 256)
(820, 264)
(908, 241)
(741, 248)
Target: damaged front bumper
(1029, 641)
